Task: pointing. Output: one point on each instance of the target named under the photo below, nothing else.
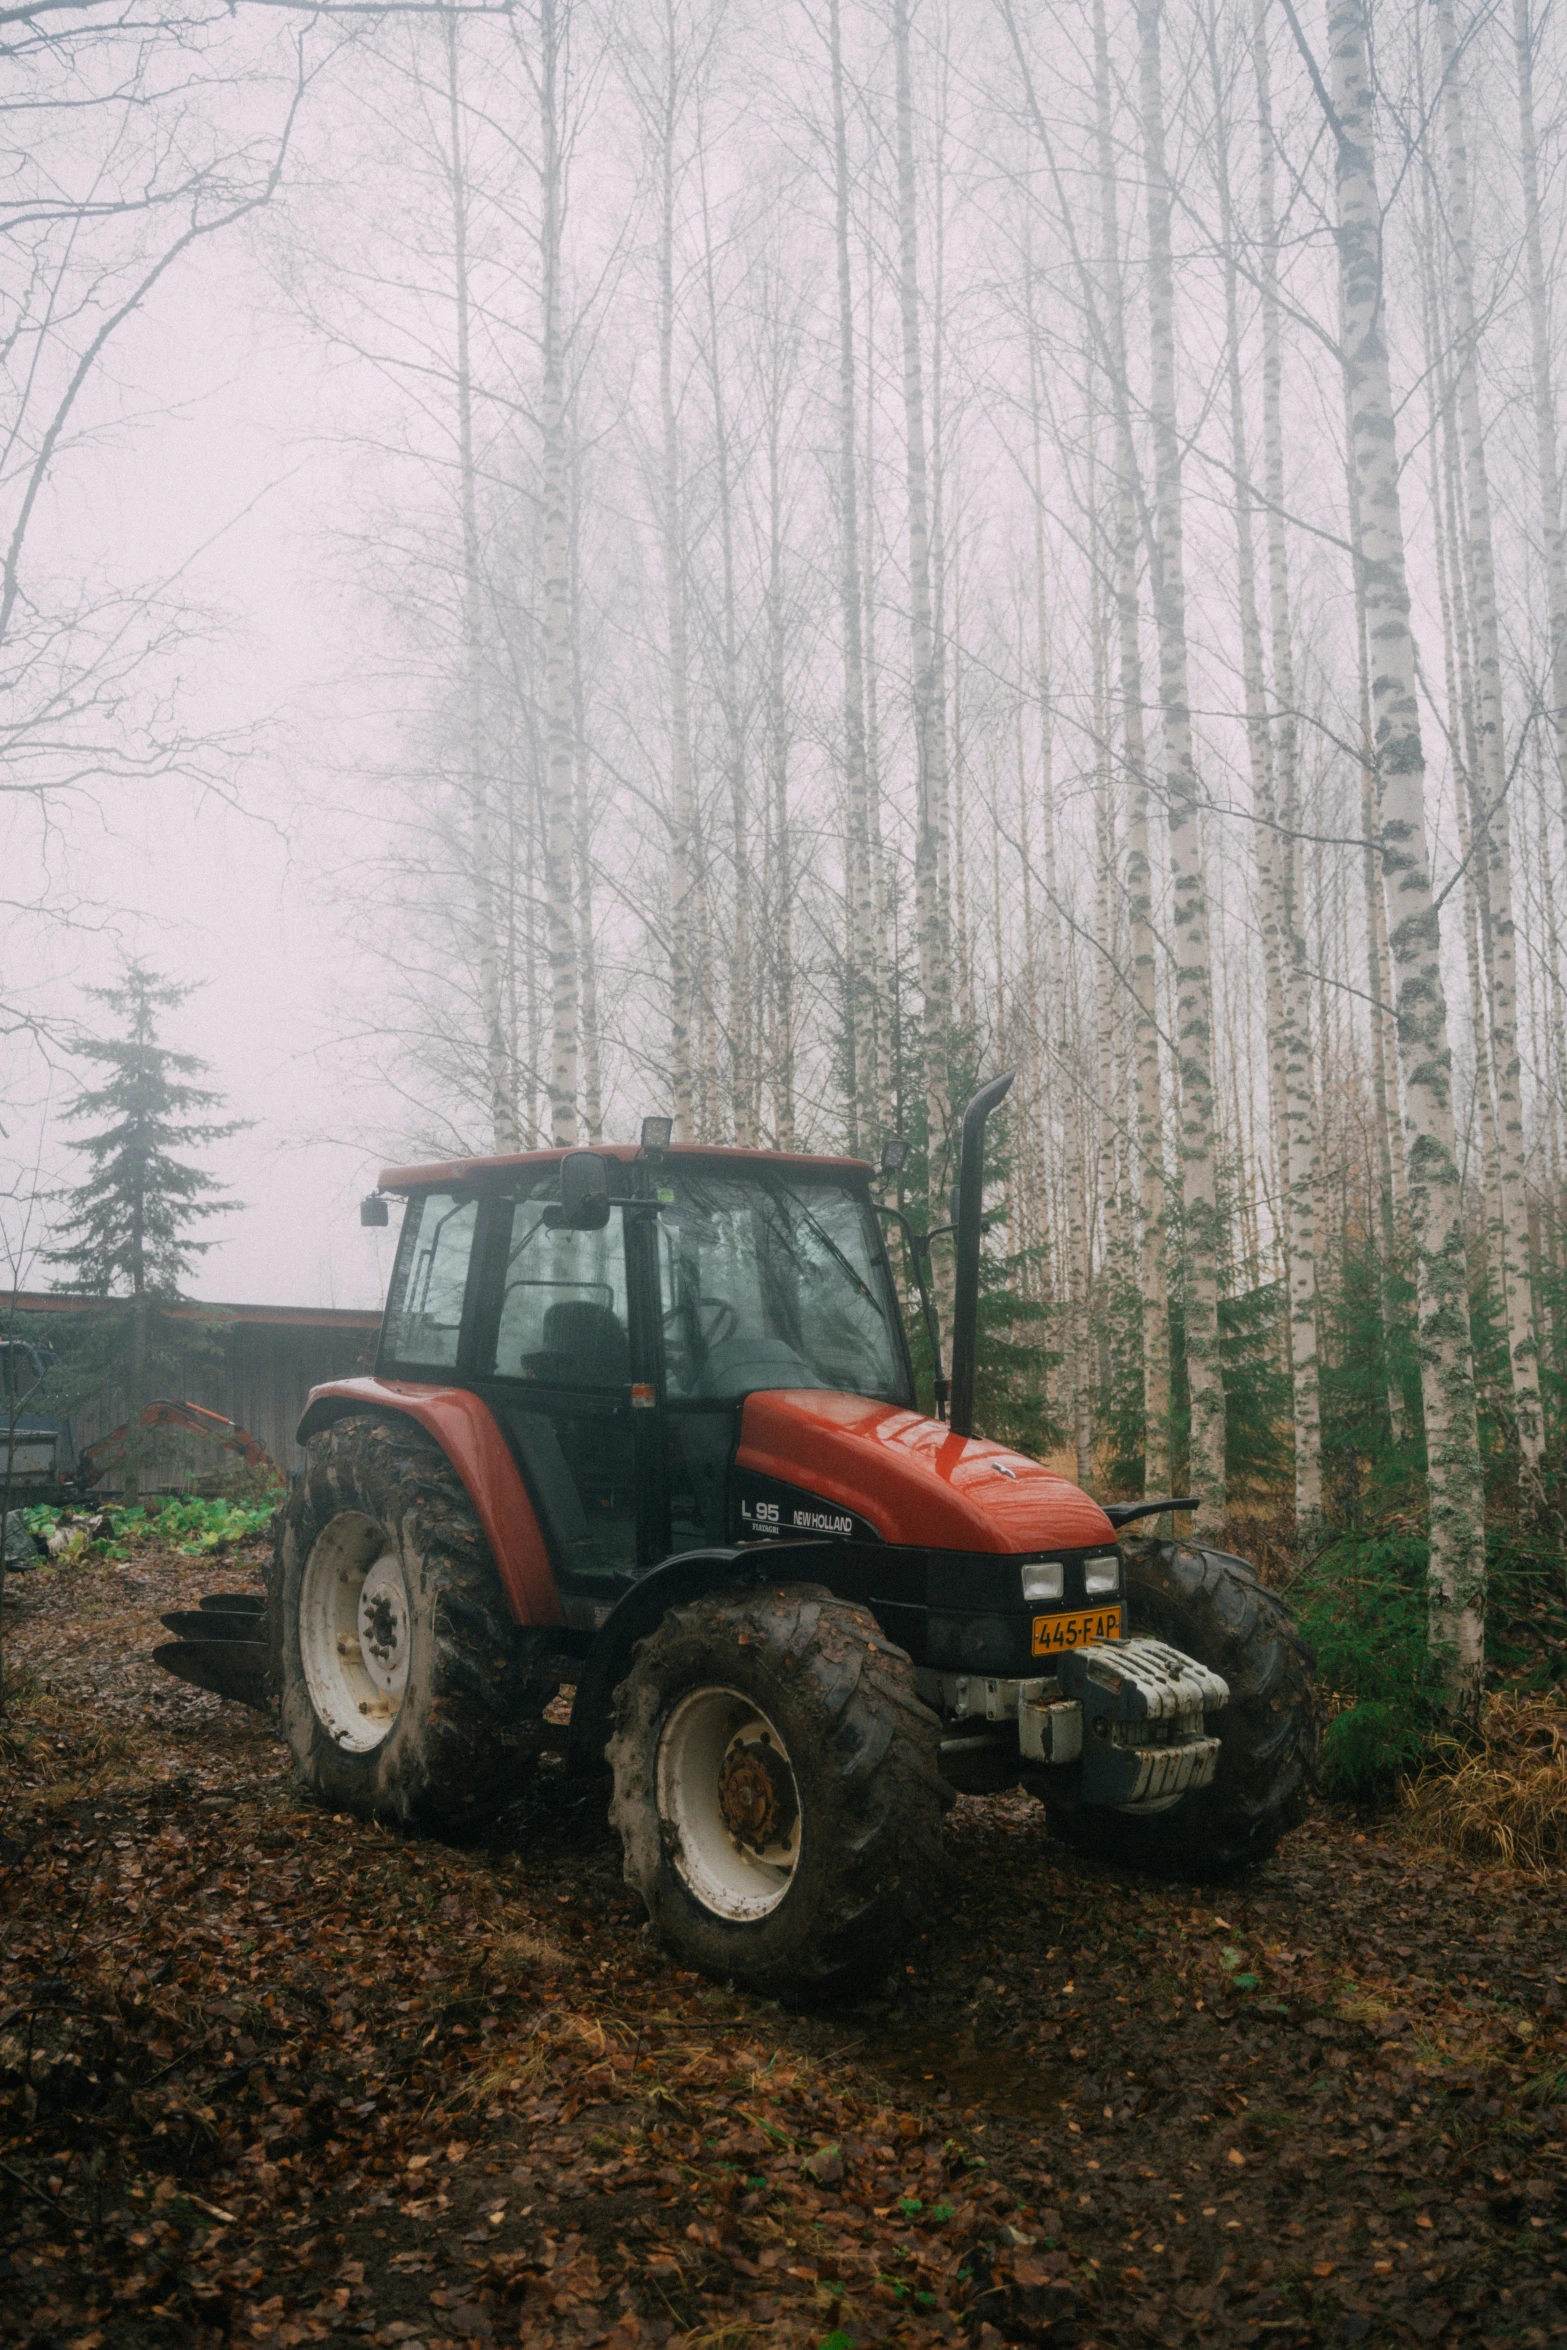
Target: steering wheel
(716, 1320)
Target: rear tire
(777, 1792)
(1212, 1607)
(402, 1678)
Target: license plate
(1053, 1632)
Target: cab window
(424, 1305)
(774, 1279)
(563, 1313)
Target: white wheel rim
(355, 1631)
(728, 1803)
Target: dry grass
(522, 2069)
(1505, 1800)
(526, 1954)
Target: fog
(762, 563)
(203, 463)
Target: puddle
(937, 2065)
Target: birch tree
(1278, 833)
(1457, 1569)
(560, 751)
(1495, 845)
(1194, 975)
(667, 104)
(930, 718)
(499, 1062)
(1142, 944)
(1547, 454)
(866, 1102)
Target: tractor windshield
(773, 1279)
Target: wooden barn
(254, 1364)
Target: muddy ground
(274, 2077)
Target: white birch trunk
(682, 798)
(1152, 1272)
(738, 992)
(1113, 1256)
(930, 732)
(1464, 735)
(560, 764)
(1278, 852)
(781, 897)
(500, 1065)
(1379, 959)
(1384, 1071)
(587, 946)
(865, 1106)
(1495, 844)
(1069, 1076)
(1547, 455)
(1194, 976)
(881, 907)
(1457, 1524)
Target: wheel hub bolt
(756, 1794)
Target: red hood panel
(912, 1478)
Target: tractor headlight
(1101, 1577)
(1043, 1581)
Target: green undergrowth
(193, 1527)
(1362, 1606)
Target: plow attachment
(222, 1646)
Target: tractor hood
(912, 1478)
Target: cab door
(552, 1358)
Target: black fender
(685, 1575)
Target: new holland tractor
(643, 1426)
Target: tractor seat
(584, 1346)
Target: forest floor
(275, 2077)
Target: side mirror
(584, 1194)
(373, 1210)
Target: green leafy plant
(194, 1528)
(1362, 1606)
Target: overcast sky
(220, 465)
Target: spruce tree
(128, 1230)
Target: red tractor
(643, 1426)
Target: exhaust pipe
(965, 1296)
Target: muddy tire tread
(469, 1752)
(874, 1735)
(1214, 1607)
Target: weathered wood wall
(255, 1364)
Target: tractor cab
(615, 1313)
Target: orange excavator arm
(165, 1412)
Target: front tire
(402, 1679)
(1212, 1607)
(777, 1790)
